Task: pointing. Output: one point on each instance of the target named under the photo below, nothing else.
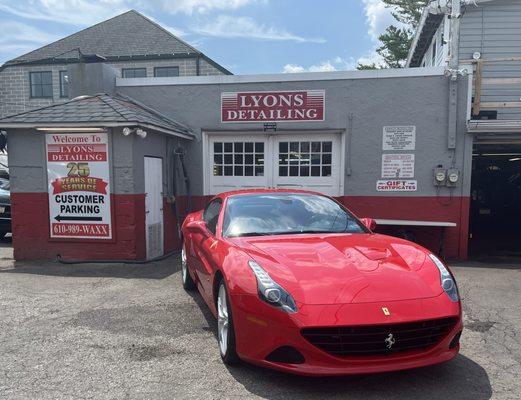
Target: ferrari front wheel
(188, 282)
(225, 330)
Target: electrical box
(453, 177)
(440, 176)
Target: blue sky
(245, 36)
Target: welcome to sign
(290, 106)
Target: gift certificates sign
(79, 185)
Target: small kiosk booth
(89, 180)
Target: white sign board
(399, 137)
(78, 176)
(396, 185)
(397, 165)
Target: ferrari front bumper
(261, 329)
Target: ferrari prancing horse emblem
(386, 311)
(390, 341)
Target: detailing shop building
(110, 174)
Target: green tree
(395, 41)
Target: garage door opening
(495, 211)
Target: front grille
(376, 339)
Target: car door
(207, 244)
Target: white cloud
(19, 38)
(17, 33)
(89, 12)
(203, 6)
(336, 64)
(378, 18)
(77, 12)
(245, 27)
(293, 68)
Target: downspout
(454, 75)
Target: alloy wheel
(222, 319)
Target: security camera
(127, 131)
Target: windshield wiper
(309, 231)
(251, 234)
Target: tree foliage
(396, 41)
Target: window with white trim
(305, 158)
(238, 158)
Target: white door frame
(251, 133)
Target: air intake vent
(379, 339)
(286, 355)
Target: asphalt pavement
(131, 332)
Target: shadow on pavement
(207, 314)
(156, 270)
(459, 379)
(491, 262)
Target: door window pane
(238, 158)
(302, 162)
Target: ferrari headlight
(447, 280)
(270, 291)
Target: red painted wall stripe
(31, 225)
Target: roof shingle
(100, 109)
(128, 34)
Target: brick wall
(14, 81)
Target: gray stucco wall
(373, 103)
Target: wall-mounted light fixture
(138, 131)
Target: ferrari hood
(345, 268)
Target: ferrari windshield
(286, 213)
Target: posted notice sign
(396, 185)
(399, 137)
(295, 106)
(397, 165)
(79, 185)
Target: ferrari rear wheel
(188, 282)
(225, 330)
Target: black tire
(229, 355)
(188, 282)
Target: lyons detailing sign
(291, 106)
(79, 185)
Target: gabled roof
(130, 35)
(100, 110)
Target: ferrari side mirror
(369, 223)
(197, 227)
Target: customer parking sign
(79, 185)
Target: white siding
(437, 40)
(494, 30)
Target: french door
(298, 161)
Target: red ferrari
(299, 284)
